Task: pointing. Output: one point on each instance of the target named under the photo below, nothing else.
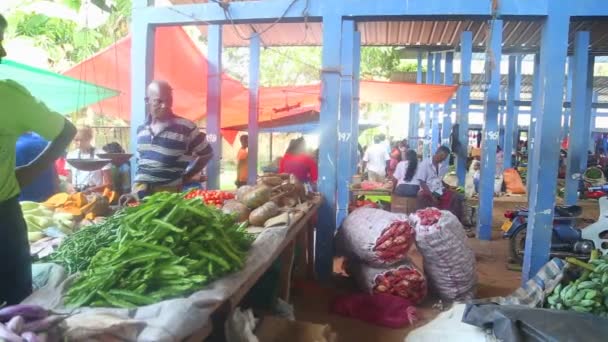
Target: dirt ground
(312, 301)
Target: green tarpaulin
(60, 93)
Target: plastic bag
(448, 327)
(513, 182)
(375, 236)
(381, 309)
(404, 280)
(449, 263)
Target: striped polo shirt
(164, 157)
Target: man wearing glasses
(172, 150)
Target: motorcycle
(567, 240)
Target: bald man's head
(159, 99)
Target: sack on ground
(404, 280)
(375, 236)
(513, 182)
(449, 263)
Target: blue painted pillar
(543, 181)
(502, 110)
(142, 73)
(435, 134)
(446, 126)
(535, 108)
(253, 129)
(464, 98)
(214, 100)
(345, 120)
(490, 132)
(415, 108)
(577, 79)
(589, 114)
(513, 91)
(568, 111)
(330, 106)
(428, 108)
(355, 109)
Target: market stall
(170, 266)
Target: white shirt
(376, 157)
(399, 174)
(82, 179)
(432, 176)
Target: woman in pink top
(297, 162)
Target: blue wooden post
(415, 108)
(502, 110)
(589, 117)
(330, 105)
(428, 107)
(535, 108)
(577, 79)
(355, 100)
(464, 97)
(446, 126)
(512, 110)
(345, 120)
(568, 111)
(541, 201)
(253, 127)
(490, 132)
(214, 100)
(142, 72)
(435, 134)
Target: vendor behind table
(90, 181)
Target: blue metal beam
(553, 51)
(345, 120)
(214, 99)
(142, 72)
(435, 134)
(330, 105)
(535, 108)
(254, 98)
(490, 132)
(512, 112)
(589, 117)
(502, 110)
(427, 109)
(577, 79)
(567, 111)
(464, 98)
(415, 107)
(355, 110)
(448, 79)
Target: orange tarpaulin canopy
(178, 61)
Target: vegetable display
(38, 218)
(394, 242)
(588, 293)
(213, 197)
(165, 247)
(77, 250)
(81, 205)
(26, 322)
(403, 280)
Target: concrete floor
(311, 301)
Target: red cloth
(379, 309)
(302, 166)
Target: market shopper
(21, 113)
(241, 161)
(121, 174)
(406, 183)
(29, 146)
(91, 181)
(172, 150)
(433, 193)
(375, 160)
(299, 163)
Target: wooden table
(299, 232)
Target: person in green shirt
(20, 113)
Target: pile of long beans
(166, 247)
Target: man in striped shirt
(171, 149)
